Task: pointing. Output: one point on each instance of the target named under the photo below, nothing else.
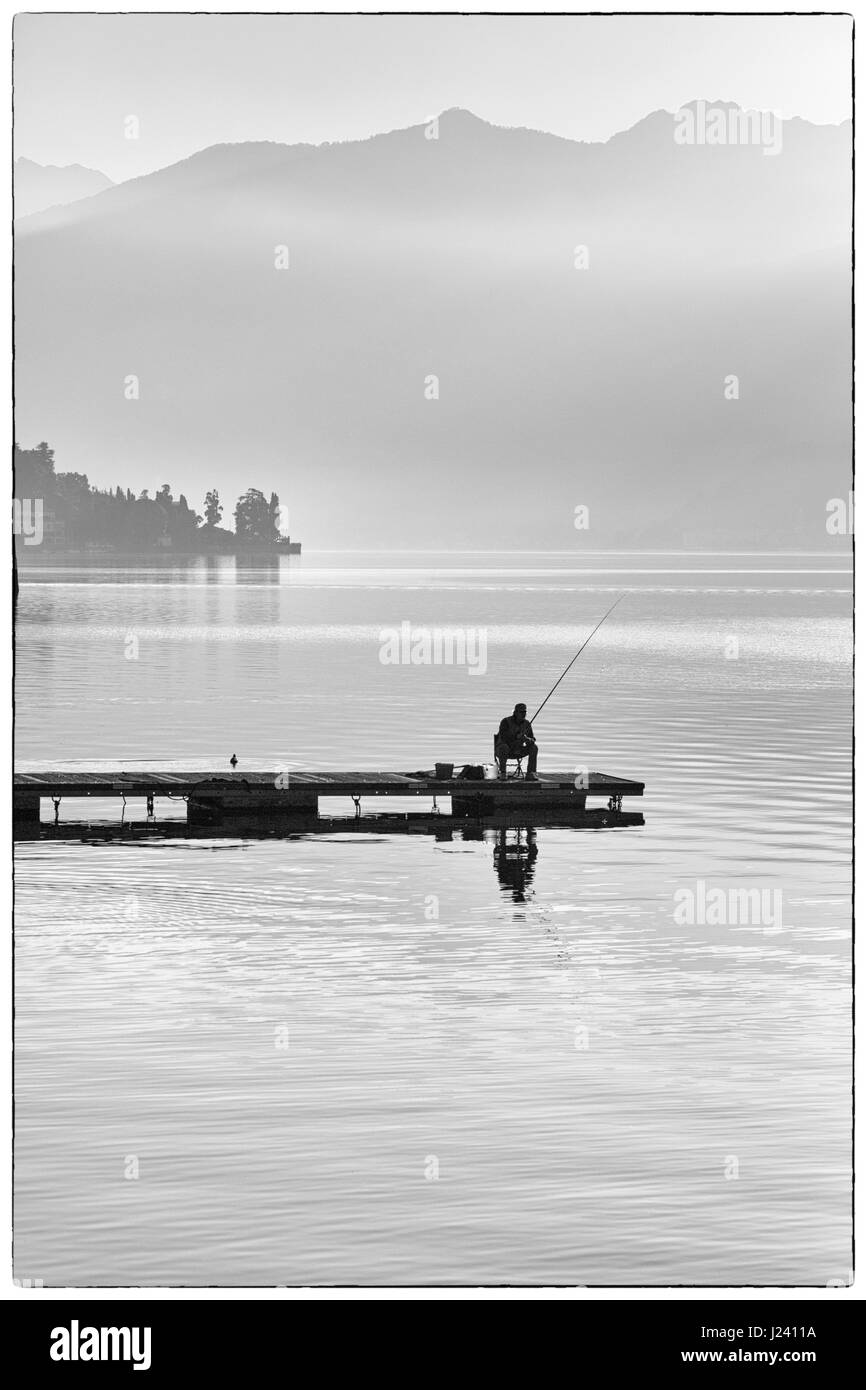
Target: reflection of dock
(293, 798)
(442, 828)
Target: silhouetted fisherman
(516, 740)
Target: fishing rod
(574, 658)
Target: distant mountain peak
(41, 186)
(24, 164)
(461, 114)
(581, 303)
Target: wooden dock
(214, 798)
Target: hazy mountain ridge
(455, 257)
(41, 186)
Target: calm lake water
(390, 1059)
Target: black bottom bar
(219, 1342)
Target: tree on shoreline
(80, 516)
(212, 508)
(256, 518)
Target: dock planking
(135, 782)
(216, 796)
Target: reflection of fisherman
(516, 740)
(515, 863)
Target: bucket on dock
(444, 772)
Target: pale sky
(194, 81)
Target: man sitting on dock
(516, 740)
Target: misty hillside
(455, 256)
(41, 186)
